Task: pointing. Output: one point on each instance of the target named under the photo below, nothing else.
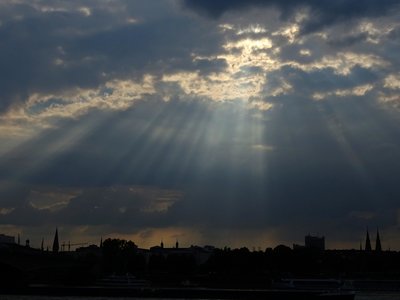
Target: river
(359, 296)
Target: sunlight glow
(290, 32)
(41, 109)
(248, 46)
(344, 62)
(392, 82)
(257, 29)
(358, 91)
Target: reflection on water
(2, 297)
(377, 296)
(360, 296)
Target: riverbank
(177, 293)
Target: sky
(231, 123)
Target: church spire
(378, 246)
(368, 243)
(56, 245)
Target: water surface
(359, 296)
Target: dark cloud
(349, 40)
(49, 52)
(131, 207)
(322, 12)
(306, 83)
(12, 194)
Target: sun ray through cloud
(223, 121)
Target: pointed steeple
(56, 245)
(378, 246)
(42, 246)
(368, 243)
(177, 244)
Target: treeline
(245, 267)
(224, 267)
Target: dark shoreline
(179, 293)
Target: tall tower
(56, 245)
(368, 243)
(378, 246)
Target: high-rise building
(314, 242)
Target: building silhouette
(378, 246)
(367, 243)
(314, 242)
(56, 244)
(6, 239)
(199, 254)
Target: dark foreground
(178, 293)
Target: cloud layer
(322, 13)
(210, 119)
